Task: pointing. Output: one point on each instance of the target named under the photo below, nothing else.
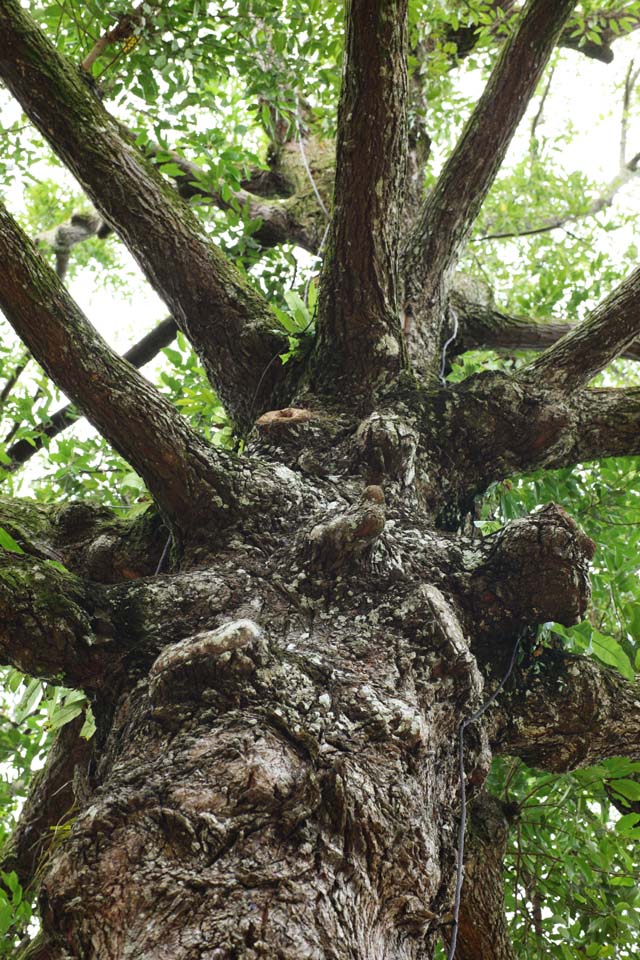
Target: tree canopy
(401, 214)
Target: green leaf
(609, 651)
(8, 543)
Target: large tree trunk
(276, 767)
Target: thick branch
(50, 803)
(88, 539)
(493, 426)
(359, 337)
(188, 480)
(483, 928)
(608, 424)
(606, 333)
(278, 220)
(466, 37)
(454, 203)
(229, 324)
(140, 354)
(482, 326)
(568, 712)
(47, 629)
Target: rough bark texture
(359, 336)
(483, 928)
(275, 769)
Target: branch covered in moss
(47, 624)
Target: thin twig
(629, 84)
(533, 140)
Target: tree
(288, 643)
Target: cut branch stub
(532, 571)
(332, 544)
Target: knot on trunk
(441, 644)
(385, 445)
(534, 570)
(214, 659)
(331, 545)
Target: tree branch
(482, 326)
(628, 170)
(359, 336)
(46, 621)
(88, 539)
(453, 205)
(495, 425)
(568, 712)
(598, 204)
(606, 333)
(50, 803)
(140, 354)
(608, 424)
(482, 924)
(466, 37)
(229, 324)
(192, 483)
(279, 222)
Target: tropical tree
(309, 617)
